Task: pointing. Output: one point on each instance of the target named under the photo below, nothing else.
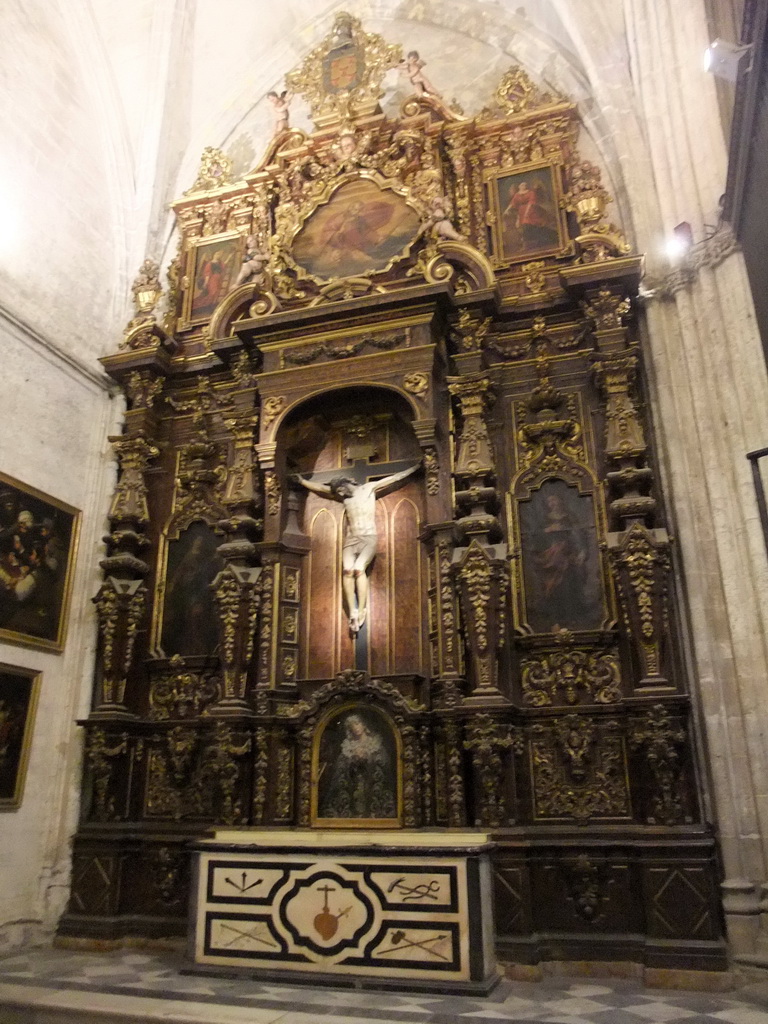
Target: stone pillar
(710, 391)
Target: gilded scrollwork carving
(607, 310)
(432, 470)
(215, 170)
(142, 389)
(661, 740)
(579, 771)
(416, 384)
(482, 579)
(129, 503)
(267, 623)
(516, 93)
(486, 738)
(642, 564)
(587, 885)
(120, 606)
(470, 331)
(361, 59)
(284, 784)
(169, 868)
(194, 773)
(273, 492)
(180, 692)
(456, 796)
(305, 354)
(534, 276)
(238, 597)
(260, 775)
(102, 750)
(271, 409)
(474, 455)
(560, 676)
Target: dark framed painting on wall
(356, 770)
(19, 690)
(528, 221)
(38, 544)
(188, 625)
(212, 267)
(562, 571)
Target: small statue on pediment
(438, 223)
(255, 262)
(216, 218)
(413, 66)
(349, 150)
(281, 104)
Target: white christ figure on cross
(360, 537)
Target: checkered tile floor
(156, 976)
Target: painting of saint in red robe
(529, 213)
(561, 562)
(360, 230)
(214, 266)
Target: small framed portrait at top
(19, 688)
(528, 221)
(213, 264)
(38, 544)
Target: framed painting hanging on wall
(38, 544)
(19, 688)
(528, 220)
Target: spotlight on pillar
(724, 59)
(680, 241)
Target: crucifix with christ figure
(357, 487)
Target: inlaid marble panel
(380, 911)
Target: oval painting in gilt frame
(360, 230)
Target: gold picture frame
(38, 546)
(19, 692)
(212, 265)
(376, 764)
(526, 214)
(360, 225)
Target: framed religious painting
(187, 620)
(19, 690)
(356, 770)
(562, 571)
(527, 217)
(361, 229)
(38, 544)
(213, 264)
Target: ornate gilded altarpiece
(435, 294)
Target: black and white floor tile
(155, 983)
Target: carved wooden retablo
(479, 628)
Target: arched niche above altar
(356, 769)
(367, 434)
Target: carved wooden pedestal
(407, 909)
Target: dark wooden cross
(362, 470)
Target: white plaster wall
(58, 248)
(55, 421)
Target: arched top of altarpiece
(471, 203)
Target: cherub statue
(281, 103)
(255, 261)
(351, 150)
(412, 65)
(438, 223)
